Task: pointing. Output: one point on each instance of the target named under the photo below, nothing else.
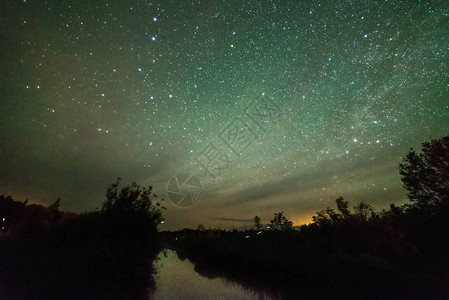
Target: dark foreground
(47, 254)
(400, 253)
(391, 255)
(375, 259)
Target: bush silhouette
(132, 216)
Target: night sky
(269, 105)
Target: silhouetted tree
(425, 175)
(257, 222)
(326, 216)
(280, 222)
(128, 222)
(330, 216)
(133, 206)
(343, 207)
(363, 211)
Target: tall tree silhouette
(425, 175)
(257, 222)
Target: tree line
(344, 253)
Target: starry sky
(269, 105)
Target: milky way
(147, 90)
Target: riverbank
(345, 262)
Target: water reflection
(177, 279)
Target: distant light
(153, 38)
(154, 19)
(162, 222)
(4, 219)
(139, 69)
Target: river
(177, 279)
